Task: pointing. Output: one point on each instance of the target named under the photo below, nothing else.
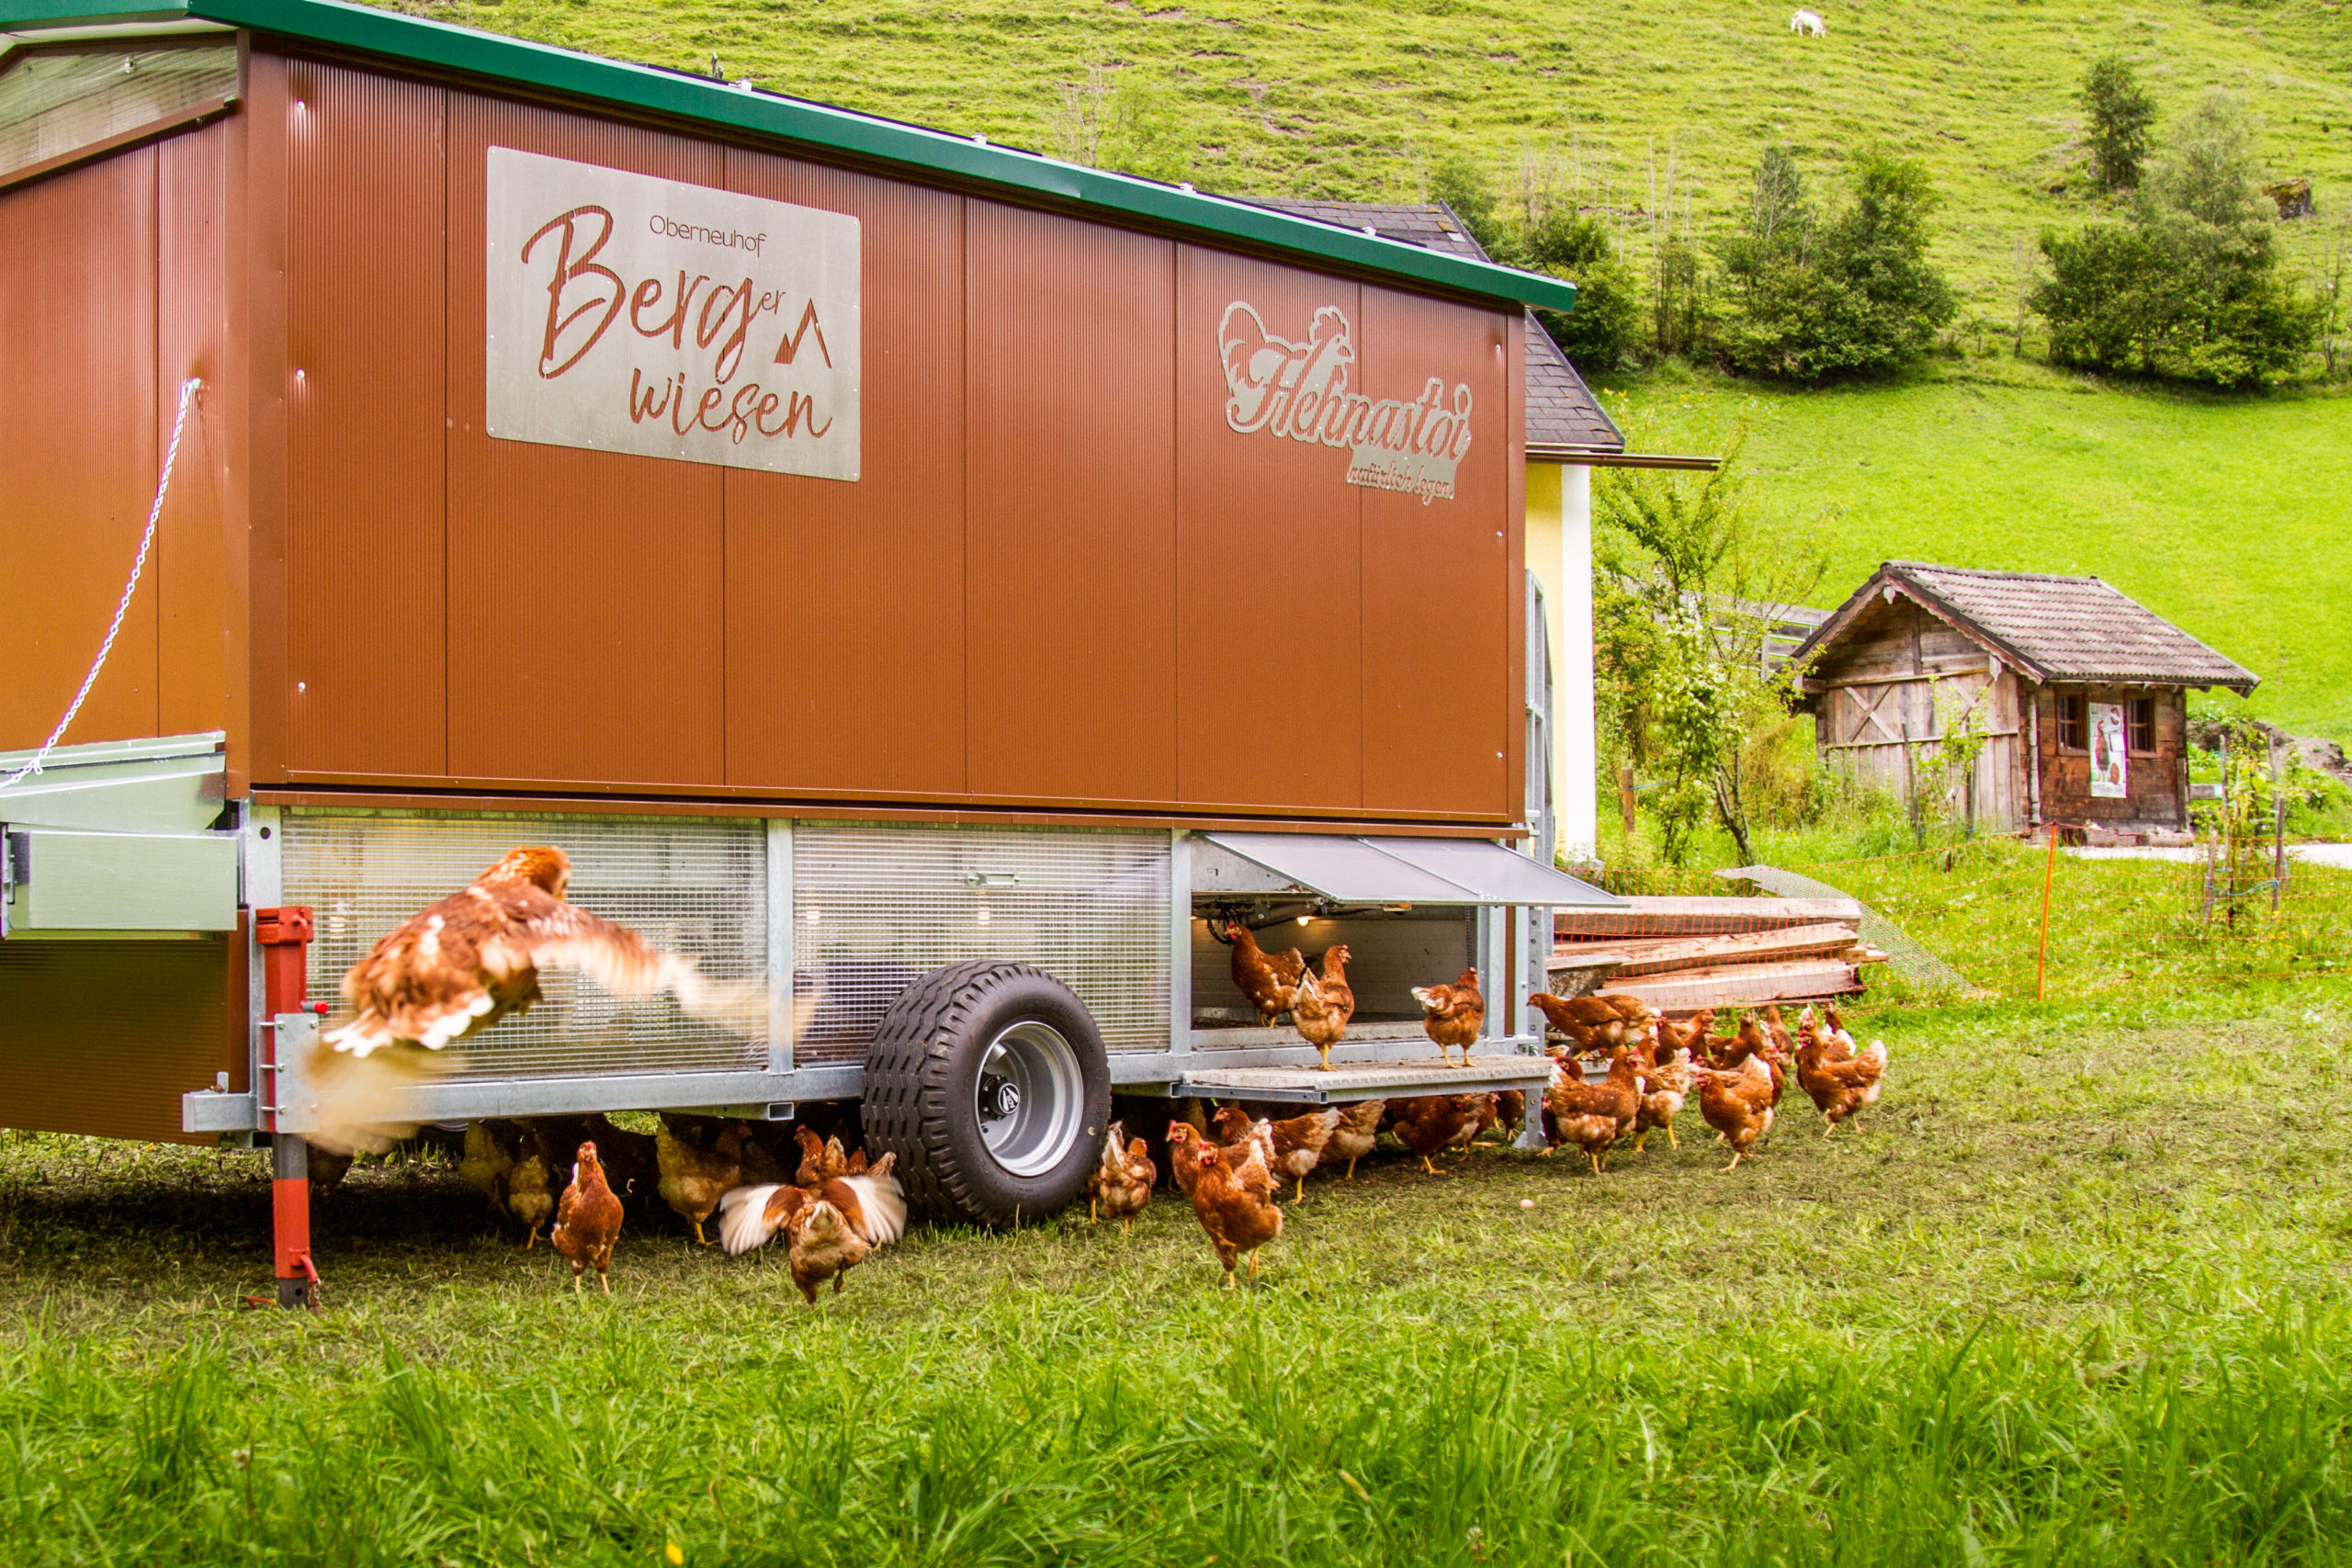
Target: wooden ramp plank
(1701, 916)
(1660, 956)
(1746, 984)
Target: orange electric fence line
(2101, 922)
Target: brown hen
(1122, 1183)
(1233, 1199)
(1323, 1004)
(460, 965)
(587, 1221)
(1737, 1103)
(1838, 1087)
(1290, 1147)
(1431, 1123)
(1267, 979)
(1593, 1116)
(1452, 1015)
(693, 1180)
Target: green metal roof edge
(17, 14)
(367, 31)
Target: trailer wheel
(987, 1080)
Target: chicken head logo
(1299, 391)
(1266, 376)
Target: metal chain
(171, 457)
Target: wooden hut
(2080, 691)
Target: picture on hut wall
(2109, 753)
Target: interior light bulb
(1302, 920)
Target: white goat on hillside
(1810, 24)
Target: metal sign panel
(633, 314)
(1300, 391)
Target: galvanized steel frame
(784, 1084)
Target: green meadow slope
(2227, 515)
(1357, 100)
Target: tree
(1803, 296)
(1607, 317)
(2118, 112)
(1460, 182)
(1878, 245)
(1688, 571)
(2192, 288)
(1116, 120)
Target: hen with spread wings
(460, 965)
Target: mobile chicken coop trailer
(929, 577)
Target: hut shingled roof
(2075, 630)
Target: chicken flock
(460, 965)
(827, 1204)
(1233, 1169)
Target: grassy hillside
(1356, 100)
(2226, 515)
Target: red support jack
(284, 936)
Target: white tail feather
(743, 1219)
(885, 1203)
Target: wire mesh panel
(875, 908)
(689, 885)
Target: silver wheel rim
(1029, 1097)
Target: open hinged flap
(1412, 871)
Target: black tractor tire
(923, 1083)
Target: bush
(1607, 318)
(2190, 289)
(1804, 298)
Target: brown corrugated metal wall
(167, 1016)
(1069, 509)
(191, 561)
(1437, 585)
(587, 597)
(1269, 583)
(364, 485)
(77, 443)
(1060, 581)
(845, 602)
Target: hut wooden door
(1987, 702)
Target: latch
(990, 879)
(15, 866)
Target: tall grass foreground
(2215, 1436)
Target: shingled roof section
(1563, 418)
(2074, 629)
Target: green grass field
(2223, 515)
(1358, 99)
(2074, 1292)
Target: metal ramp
(1350, 1081)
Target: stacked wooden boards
(1681, 955)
